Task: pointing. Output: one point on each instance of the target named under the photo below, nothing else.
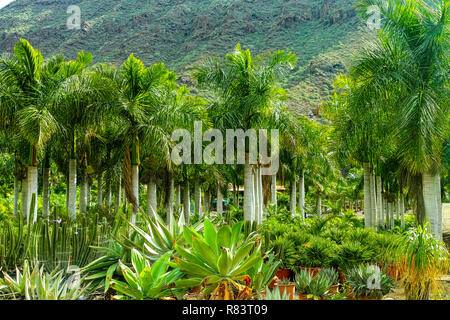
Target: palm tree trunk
(152, 201)
(219, 200)
(24, 197)
(16, 195)
(45, 192)
(262, 208)
(379, 203)
(301, 194)
(177, 197)
(32, 189)
(274, 191)
(108, 194)
(437, 180)
(367, 209)
(83, 194)
(249, 204)
(197, 197)
(88, 195)
(72, 202)
(169, 200)
(186, 203)
(373, 202)
(431, 203)
(135, 188)
(293, 197)
(207, 201)
(256, 194)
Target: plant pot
(195, 290)
(312, 270)
(283, 273)
(302, 296)
(288, 288)
(366, 298)
(273, 283)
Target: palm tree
(247, 87)
(33, 119)
(405, 71)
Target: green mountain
(322, 33)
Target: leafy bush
(319, 252)
(352, 254)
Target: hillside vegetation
(322, 33)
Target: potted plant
(262, 274)
(312, 287)
(368, 282)
(333, 276)
(286, 286)
(421, 259)
(351, 254)
(284, 250)
(316, 254)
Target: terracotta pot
(302, 296)
(195, 290)
(288, 288)
(312, 270)
(284, 273)
(272, 284)
(366, 298)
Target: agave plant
(369, 281)
(159, 239)
(39, 285)
(218, 260)
(275, 295)
(145, 281)
(262, 273)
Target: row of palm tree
(390, 114)
(114, 125)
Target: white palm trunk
(439, 204)
(88, 196)
(293, 197)
(197, 197)
(118, 195)
(373, 202)
(16, 195)
(135, 188)
(186, 203)
(108, 195)
(169, 201)
(83, 195)
(379, 203)
(301, 195)
(177, 197)
(219, 200)
(397, 202)
(72, 202)
(24, 197)
(367, 209)
(392, 219)
(32, 175)
(430, 201)
(249, 205)
(151, 197)
(262, 207)
(274, 191)
(45, 193)
(256, 194)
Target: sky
(4, 2)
